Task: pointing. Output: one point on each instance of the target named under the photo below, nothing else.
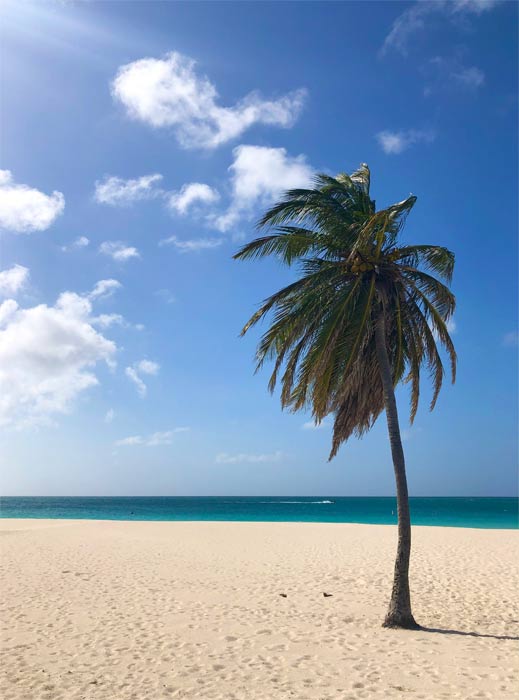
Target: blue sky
(139, 143)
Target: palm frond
(321, 333)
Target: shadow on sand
(438, 630)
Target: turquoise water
(452, 512)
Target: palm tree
(365, 314)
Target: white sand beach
(142, 610)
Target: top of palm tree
(353, 270)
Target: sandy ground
(118, 610)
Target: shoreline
(251, 522)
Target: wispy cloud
(13, 279)
(135, 371)
(471, 77)
(131, 440)
(444, 73)
(193, 245)
(410, 433)
(395, 142)
(243, 457)
(168, 92)
(421, 14)
(109, 415)
(24, 209)
(311, 425)
(104, 288)
(118, 250)
(117, 191)
(154, 440)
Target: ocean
(447, 512)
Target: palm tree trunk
(399, 613)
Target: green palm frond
(322, 329)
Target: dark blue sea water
(452, 512)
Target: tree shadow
(439, 630)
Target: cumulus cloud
(243, 457)
(13, 279)
(143, 367)
(79, 242)
(119, 192)
(24, 209)
(118, 250)
(47, 356)
(193, 245)
(153, 440)
(416, 18)
(190, 194)
(259, 175)
(168, 92)
(395, 142)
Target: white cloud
(141, 386)
(104, 288)
(80, 242)
(116, 191)
(13, 279)
(118, 250)
(394, 142)
(47, 354)
(191, 194)
(450, 73)
(259, 175)
(153, 440)
(169, 93)
(109, 415)
(132, 440)
(311, 425)
(24, 209)
(7, 309)
(143, 367)
(107, 320)
(225, 458)
(148, 367)
(164, 438)
(192, 245)
(415, 19)
(471, 77)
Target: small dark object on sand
(283, 595)
(327, 595)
